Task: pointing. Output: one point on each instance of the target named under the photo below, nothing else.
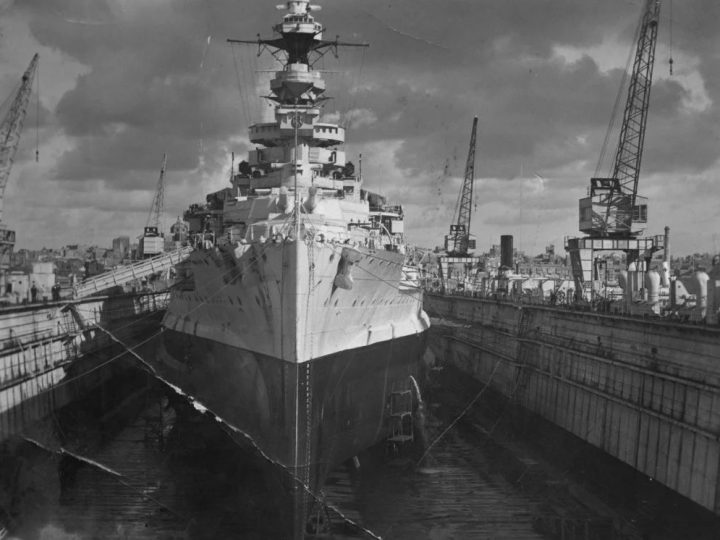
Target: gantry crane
(613, 215)
(153, 242)
(458, 243)
(10, 131)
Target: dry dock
(51, 354)
(199, 484)
(478, 480)
(646, 392)
(54, 353)
(618, 438)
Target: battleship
(297, 319)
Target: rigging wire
(37, 115)
(241, 72)
(252, 78)
(354, 91)
(670, 32)
(243, 97)
(462, 413)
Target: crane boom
(632, 132)
(458, 241)
(11, 126)
(156, 209)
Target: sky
(122, 82)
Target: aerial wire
(239, 84)
(354, 90)
(37, 115)
(248, 67)
(201, 69)
(671, 61)
(252, 81)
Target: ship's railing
(136, 271)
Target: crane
(458, 242)
(152, 242)
(613, 215)
(10, 131)
(613, 203)
(158, 203)
(457, 263)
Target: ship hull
(297, 340)
(302, 419)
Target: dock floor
(480, 480)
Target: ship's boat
(297, 319)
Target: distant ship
(297, 318)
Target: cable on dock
(462, 413)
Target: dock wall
(645, 391)
(50, 354)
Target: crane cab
(151, 243)
(608, 211)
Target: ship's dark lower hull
(302, 418)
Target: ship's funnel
(506, 251)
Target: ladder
(401, 416)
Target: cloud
(124, 81)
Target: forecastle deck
(297, 300)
